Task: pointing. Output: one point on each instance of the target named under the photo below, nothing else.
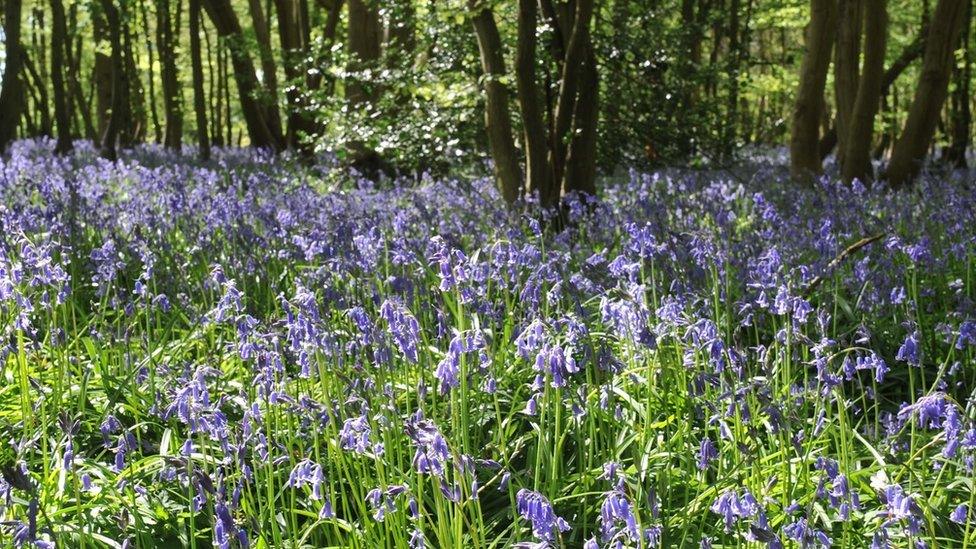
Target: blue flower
(535, 508)
(960, 514)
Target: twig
(853, 248)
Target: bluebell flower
(403, 326)
(535, 508)
(307, 472)
(909, 350)
(960, 515)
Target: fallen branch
(853, 248)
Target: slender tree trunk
(199, 99)
(363, 38)
(733, 65)
(11, 87)
(101, 72)
(256, 116)
(497, 122)
(856, 162)
(538, 174)
(61, 103)
(172, 90)
(962, 116)
(41, 100)
(213, 87)
(117, 105)
(577, 49)
(908, 56)
(269, 69)
(580, 174)
(292, 31)
(134, 125)
(847, 54)
(809, 107)
(81, 106)
(153, 113)
(910, 150)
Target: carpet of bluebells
(260, 353)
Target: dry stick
(837, 260)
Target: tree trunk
(538, 175)
(292, 28)
(580, 174)
(11, 88)
(910, 150)
(41, 101)
(363, 40)
(73, 55)
(172, 90)
(134, 129)
(962, 116)
(61, 105)
(199, 99)
(809, 107)
(117, 105)
(269, 70)
(577, 49)
(497, 122)
(847, 54)
(908, 56)
(101, 72)
(256, 116)
(147, 36)
(856, 163)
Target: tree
(847, 54)
(257, 116)
(856, 160)
(269, 69)
(538, 174)
(172, 90)
(294, 33)
(497, 122)
(363, 43)
(117, 105)
(909, 152)
(61, 102)
(809, 105)
(961, 116)
(199, 99)
(11, 87)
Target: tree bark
(269, 69)
(538, 175)
(962, 116)
(117, 105)
(147, 36)
(292, 31)
(909, 152)
(11, 88)
(847, 55)
(256, 116)
(62, 113)
(577, 49)
(363, 40)
(856, 163)
(580, 174)
(497, 122)
(809, 106)
(172, 90)
(199, 99)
